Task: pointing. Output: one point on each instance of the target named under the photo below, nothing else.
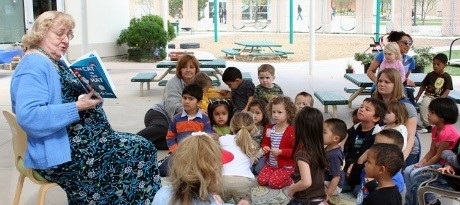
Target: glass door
(11, 21)
(33, 8)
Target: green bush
(423, 58)
(147, 33)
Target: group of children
(262, 132)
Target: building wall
(104, 22)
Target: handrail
(450, 49)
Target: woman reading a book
(157, 118)
(69, 139)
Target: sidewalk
(127, 112)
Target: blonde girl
(194, 173)
(396, 118)
(220, 113)
(310, 158)
(237, 177)
(258, 108)
(277, 145)
(392, 59)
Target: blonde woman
(194, 173)
(237, 178)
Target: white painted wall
(105, 20)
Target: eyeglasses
(407, 43)
(61, 34)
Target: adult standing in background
(299, 12)
(157, 118)
(69, 139)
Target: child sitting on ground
(436, 84)
(209, 92)
(267, 90)
(383, 162)
(443, 116)
(396, 118)
(183, 124)
(334, 131)
(310, 158)
(237, 178)
(277, 145)
(200, 180)
(221, 112)
(259, 113)
(303, 99)
(361, 137)
(388, 136)
(242, 90)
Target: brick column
(402, 16)
(451, 18)
(364, 17)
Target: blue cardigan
(36, 99)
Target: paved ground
(127, 112)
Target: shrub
(147, 33)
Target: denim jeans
(412, 178)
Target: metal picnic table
(256, 48)
(363, 82)
(211, 65)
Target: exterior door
(33, 8)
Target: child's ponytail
(242, 125)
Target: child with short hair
(393, 59)
(443, 114)
(242, 90)
(267, 90)
(310, 158)
(361, 136)
(384, 161)
(258, 108)
(436, 84)
(303, 99)
(221, 112)
(200, 180)
(183, 124)
(388, 136)
(277, 145)
(396, 118)
(334, 132)
(237, 178)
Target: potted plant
(365, 59)
(423, 58)
(146, 37)
(349, 68)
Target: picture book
(92, 73)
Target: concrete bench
(231, 52)
(257, 55)
(284, 52)
(366, 91)
(144, 78)
(331, 98)
(454, 95)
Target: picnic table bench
(257, 55)
(144, 78)
(257, 49)
(330, 98)
(231, 52)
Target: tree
(426, 6)
(344, 5)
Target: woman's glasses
(407, 43)
(61, 35)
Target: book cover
(92, 73)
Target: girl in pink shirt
(393, 59)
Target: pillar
(234, 14)
(190, 11)
(323, 15)
(402, 16)
(364, 17)
(450, 18)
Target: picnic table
(364, 82)
(257, 49)
(211, 67)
